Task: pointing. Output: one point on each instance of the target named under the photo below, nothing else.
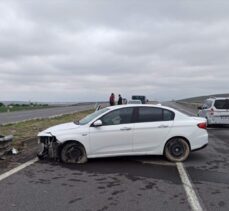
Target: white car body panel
(189, 130)
(150, 137)
(130, 139)
(111, 139)
(69, 132)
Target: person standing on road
(119, 99)
(112, 99)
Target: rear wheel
(177, 150)
(73, 153)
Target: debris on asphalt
(14, 151)
(5, 145)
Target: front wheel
(177, 150)
(73, 153)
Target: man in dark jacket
(119, 99)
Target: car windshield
(92, 116)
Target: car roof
(139, 105)
(178, 113)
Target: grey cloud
(80, 50)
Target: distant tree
(1, 104)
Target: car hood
(59, 129)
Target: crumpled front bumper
(49, 147)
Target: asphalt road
(128, 183)
(18, 116)
(209, 168)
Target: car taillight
(202, 125)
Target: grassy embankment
(22, 107)
(194, 102)
(24, 131)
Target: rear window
(154, 115)
(222, 104)
(168, 115)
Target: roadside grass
(24, 131)
(193, 105)
(23, 108)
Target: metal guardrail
(5, 144)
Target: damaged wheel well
(68, 142)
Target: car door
(115, 136)
(151, 128)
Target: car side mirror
(97, 123)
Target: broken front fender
(49, 146)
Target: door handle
(163, 126)
(125, 128)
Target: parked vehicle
(126, 130)
(124, 101)
(139, 97)
(215, 110)
(135, 102)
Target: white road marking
(191, 195)
(17, 169)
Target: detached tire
(73, 153)
(177, 150)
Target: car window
(207, 104)
(146, 114)
(119, 116)
(168, 115)
(222, 104)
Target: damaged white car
(125, 130)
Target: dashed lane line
(190, 192)
(17, 169)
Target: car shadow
(130, 166)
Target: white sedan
(125, 130)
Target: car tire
(73, 153)
(177, 150)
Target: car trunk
(221, 108)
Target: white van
(215, 110)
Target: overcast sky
(72, 50)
